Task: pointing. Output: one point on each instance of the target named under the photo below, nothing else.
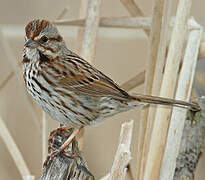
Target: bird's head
(42, 38)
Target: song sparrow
(67, 87)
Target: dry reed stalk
(28, 178)
(14, 151)
(159, 40)
(161, 122)
(44, 136)
(134, 81)
(123, 154)
(87, 37)
(8, 78)
(178, 117)
(81, 32)
(122, 22)
(63, 13)
(134, 10)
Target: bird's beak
(31, 43)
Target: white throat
(32, 54)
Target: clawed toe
(61, 149)
(56, 131)
(50, 156)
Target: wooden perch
(69, 165)
(123, 155)
(161, 122)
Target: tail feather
(165, 101)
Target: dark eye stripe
(59, 39)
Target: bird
(68, 88)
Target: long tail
(166, 101)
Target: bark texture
(192, 144)
(69, 165)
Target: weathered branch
(66, 166)
(192, 144)
(123, 155)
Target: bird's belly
(62, 108)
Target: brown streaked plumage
(35, 27)
(67, 87)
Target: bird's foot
(61, 149)
(57, 131)
(51, 155)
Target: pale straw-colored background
(121, 54)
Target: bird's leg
(56, 131)
(65, 144)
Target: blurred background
(121, 54)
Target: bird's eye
(44, 39)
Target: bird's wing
(84, 78)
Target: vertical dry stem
(88, 36)
(157, 51)
(14, 151)
(159, 35)
(159, 134)
(44, 136)
(8, 78)
(91, 30)
(179, 115)
(80, 36)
